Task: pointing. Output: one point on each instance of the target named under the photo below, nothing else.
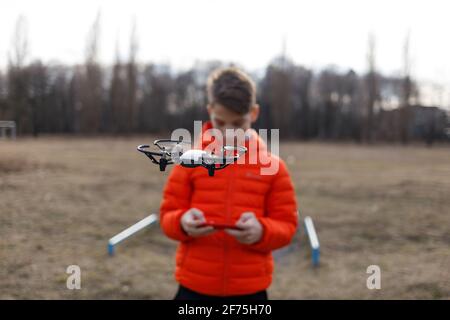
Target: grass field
(61, 199)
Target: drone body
(172, 152)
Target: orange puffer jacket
(217, 264)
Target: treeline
(131, 97)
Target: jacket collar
(253, 142)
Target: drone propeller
(165, 155)
(150, 154)
(168, 144)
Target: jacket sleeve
(175, 202)
(281, 219)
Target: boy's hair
(231, 88)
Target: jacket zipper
(228, 216)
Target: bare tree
(277, 89)
(92, 46)
(91, 108)
(372, 89)
(18, 76)
(38, 95)
(299, 106)
(3, 97)
(330, 104)
(59, 101)
(20, 44)
(405, 109)
(132, 88)
(117, 116)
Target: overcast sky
(251, 33)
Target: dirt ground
(61, 199)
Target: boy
(237, 263)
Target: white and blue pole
(148, 221)
(313, 241)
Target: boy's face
(222, 118)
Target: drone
(174, 152)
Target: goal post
(128, 232)
(7, 126)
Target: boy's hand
(251, 232)
(190, 222)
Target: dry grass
(61, 199)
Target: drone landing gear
(211, 170)
(163, 164)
